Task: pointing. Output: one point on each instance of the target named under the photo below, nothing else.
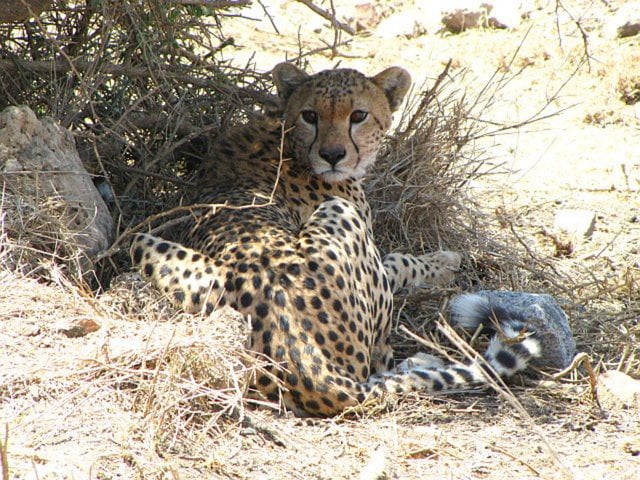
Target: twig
(4, 445)
(280, 162)
(266, 12)
(325, 14)
(583, 33)
(213, 3)
(498, 384)
(584, 359)
(336, 31)
(302, 53)
(516, 458)
(426, 100)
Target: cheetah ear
(287, 77)
(395, 83)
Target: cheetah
(292, 249)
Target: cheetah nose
(333, 154)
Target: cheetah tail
(509, 351)
(512, 346)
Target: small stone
(581, 223)
(76, 328)
(632, 447)
(366, 16)
(625, 22)
(458, 16)
(545, 317)
(617, 390)
(459, 20)
(401, 24)
(30, 330)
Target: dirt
(68, 419)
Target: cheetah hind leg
(437, 268)
(188, 278)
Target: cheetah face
(336, 120)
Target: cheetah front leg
(404, 270)
(188, 278)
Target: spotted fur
(293, 248)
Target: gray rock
(545, 317)
(40, 164)
(461, 19)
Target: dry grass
(158, 394)
(43, 244)
(148, 383)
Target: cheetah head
(336, 119)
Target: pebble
(581, 223)
(617, 390)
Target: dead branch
(327, 15)
(213, 3)
(81, 66)
(583, 33)
(427, 97)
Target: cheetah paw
(444, 265)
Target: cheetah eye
(310, 117)
(358, 116)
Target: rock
(625, 22)
(19, 10)
(30, 329)
(366, 16)
(453, 15)
(458, 16)
(77, 327)
(580, 223)
(377, 467)
(617, 390)
(405, 23)
(632, 447)
(545, 317)
(39, 164)
(460, 19)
